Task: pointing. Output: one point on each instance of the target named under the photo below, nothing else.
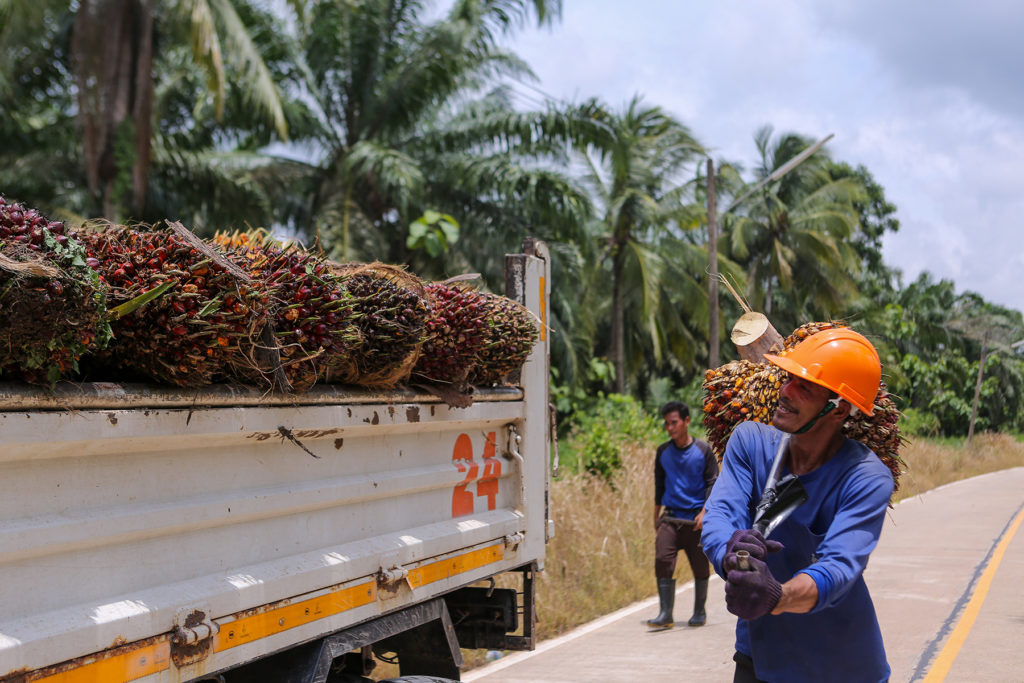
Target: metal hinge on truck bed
(192, 638)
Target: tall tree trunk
(618, 323)
(112, 57)
(142, 107)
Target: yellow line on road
(944, 662)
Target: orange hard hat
(838, 359)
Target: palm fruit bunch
(52, 304)
(456, 334)
(311, 312)
(510, 331)
(205, 318)
(390, 310)
(735, 392)
(743, 390)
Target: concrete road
(945, 580)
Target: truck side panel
(158, 543)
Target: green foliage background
(393, 131)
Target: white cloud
(923, 94)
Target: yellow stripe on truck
(443, 569)
(255, 626)
(132, 662)
(128, 664)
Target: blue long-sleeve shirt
(829, 538)
(683, 477)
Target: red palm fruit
(455, 335)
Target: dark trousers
(675, 535)
(744, 669)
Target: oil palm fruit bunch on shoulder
(735, 392)
(510, 332)
(52, 304)
(456, 331)
(204, 317)
(744, 390)
(311, 312)
(390, 310)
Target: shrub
(919, 423)
(597, 437)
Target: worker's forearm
(799, 595)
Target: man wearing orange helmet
(804, 610)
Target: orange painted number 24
(463, 500)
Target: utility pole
(977, 388)
(713, 340)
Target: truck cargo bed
(159, 534)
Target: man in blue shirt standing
(684, 472)
(804, 610)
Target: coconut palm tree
(795, 235)
(638, 174)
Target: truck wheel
(418, 679)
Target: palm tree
(410, 117)
(795, 237)
(108, 53)
(637, 170)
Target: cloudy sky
(929, 96)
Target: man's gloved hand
(750, 540)
(752, 593)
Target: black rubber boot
(700, 596)
(667, 597)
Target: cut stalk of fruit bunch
(52, 304)
(312, 326)
(205, 319)
(746, 390)
(390, 309)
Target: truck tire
(418, 679)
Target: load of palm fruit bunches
(156, 303)
(743, 390)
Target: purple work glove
(750, 540)
(752, 593)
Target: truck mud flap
(422, 636)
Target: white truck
(161, 535)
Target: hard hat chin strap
(831, 405)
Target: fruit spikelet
(52, 304)
(190, 334)
(313, 329)
(510, 332)
(743, 390)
